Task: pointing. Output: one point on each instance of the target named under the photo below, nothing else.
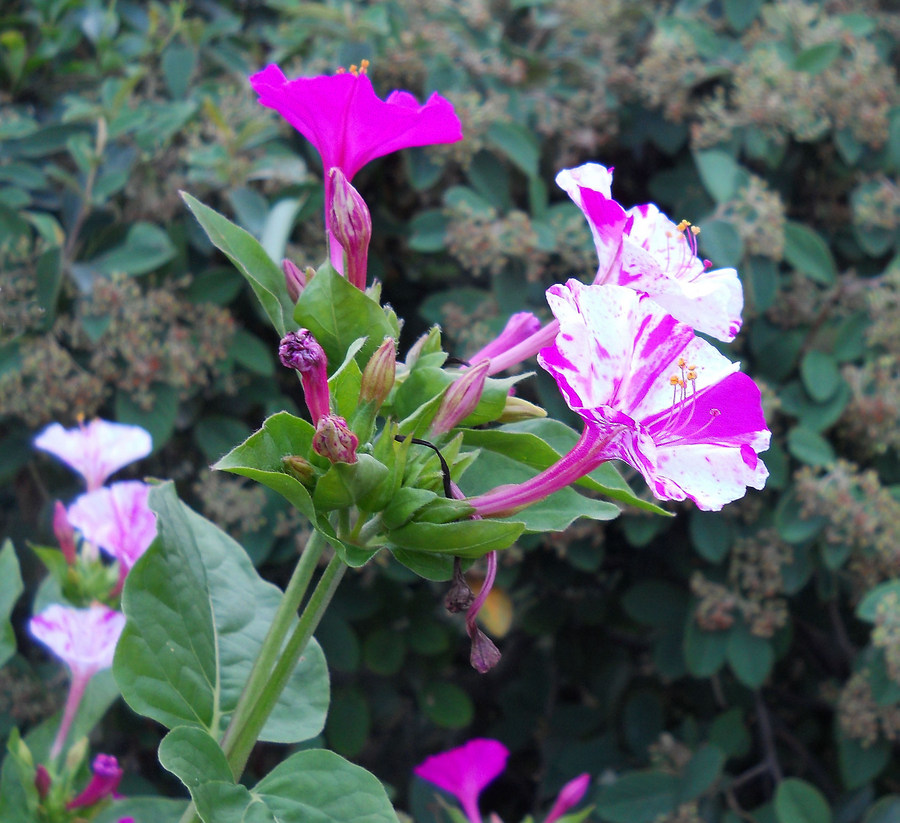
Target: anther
(691, 374)
(674, 380)
(681, 362)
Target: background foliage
(720, 667)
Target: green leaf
(193, 756)
(312, 786)
(254, 355)
(868, 607)
(820, 375)
(215, 434)
(338, 314)
(638, 797)
(816, 59)
(701, 774)
(720, 173)
(345, 484)
(711, 534)
(721, 242)
(861, 764)
(446, 705)
(807, 252)
(704, 652)
(428, 231)
(886, 810)
(183, 660)
(741, 13)
(145, 248)
(157, 809)
(10, 589)
(809, 447)
(518, 144)
(749, 656)
(797, 801)
(251, 260)
(259, 458)
(178, 62)
(349, 722)
(384, 651)
(158, 419)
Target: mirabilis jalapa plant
(403, 456)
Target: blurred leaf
(702, 772)
(820, 375)
(797, 801)
(349, 722)
(729, 733)
(861, 764)
(807, 252)
(428, 231)
(10, 589)
(638, 797)
(867, 609)
(721, 242)
(815, 59)
(254, 355)
(178, 63)
(720, 174)
(517, 143)
(886, 810)
(145, 248)
(384, 651)
(216, 434)
(711, 534)
(809, 447)
(749, 656)
(157, 809)
(446, 705)
(704, 652)
(158, 419)
(741, 13)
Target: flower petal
(84, 639)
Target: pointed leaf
(10, 589)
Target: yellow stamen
(691, 374)
(681, 362)
(695, 230)
(683, 225)
(675, 380)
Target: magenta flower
(569, 795)
(105, 780)
(299, 350)
(349, 125)
(85, 640)
(118, 519)
(644, 250)
(518, 328)
(96, 449)
(465, 771)
(651, 394)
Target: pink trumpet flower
(119, 520)
(465, 771)
(349, 125)
(642, 249)
(96, 449)
(85, 640)
(651, 394)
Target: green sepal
(404, 505)
(465, 538)
(346, 484)
(353, 555)
(259, 458)
(338, 314)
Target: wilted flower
(96, 449)
(118, 519)
(299, 350)
(651, 394)
(642, 249)
(85, 640)
(105, 780)
(349, 125)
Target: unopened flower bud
(299, 468)
(570, 795)
(42, 781)
(294, 279)
(379, 373)
(517, 409)
(65, 534)
(301, 351)
(334, 440)
(461, 398)
(76, 754)
(351, 224)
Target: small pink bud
(301, 351)
(65, 534)
(334, 440)
(42, 781)
(351, 225)
(461, 398)
(294, 279)
(570, 795)
(379, 373)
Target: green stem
(274, 639)
(244, 737)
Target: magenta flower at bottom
(464, 772)
(103, 783)
(651, 394)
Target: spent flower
(299, 350)
(105, 780)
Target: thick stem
(274, 639)
(242, 741)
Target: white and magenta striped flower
(650, 393)
(642, 249)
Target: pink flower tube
(85, 640)
(650, 393)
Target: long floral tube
(524, 349)
(584, 457)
